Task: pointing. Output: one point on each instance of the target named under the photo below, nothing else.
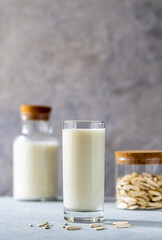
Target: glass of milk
(83, 170)
(35, 156)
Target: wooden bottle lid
(33, 112)
(139, 157)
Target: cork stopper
(139, 157)
(33, 112)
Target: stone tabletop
(15, 218)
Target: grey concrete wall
(89, 59)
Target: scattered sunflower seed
(73, 227)
(100, 228)
(47, 226)
(123, 225)
(94, 225)
(120, 222)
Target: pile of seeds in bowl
(139, 191)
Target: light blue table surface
(16, 216)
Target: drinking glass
(83, 170)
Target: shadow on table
(135, 222)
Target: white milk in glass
(34, 169)
(83, 169)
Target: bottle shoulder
(35, 138)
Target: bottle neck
(33, 126)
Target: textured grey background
(89, 59)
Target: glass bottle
(35, 156)
(139, 179)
